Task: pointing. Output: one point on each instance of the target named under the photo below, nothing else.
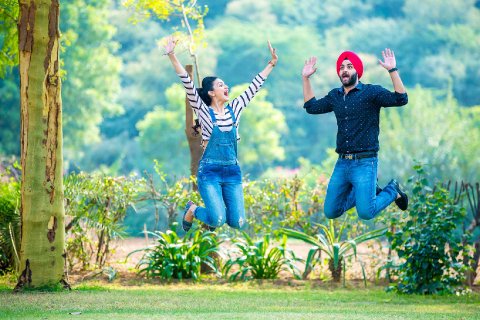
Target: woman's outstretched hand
(169, 50)
(169, 47)
(273, 52)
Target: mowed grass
(232, 301)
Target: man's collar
(359, 86)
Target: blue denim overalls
(220, 179)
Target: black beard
(351, 82)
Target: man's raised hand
(309, 67)
(388, 59)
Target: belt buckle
(349, 156)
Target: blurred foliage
(121, 111)
(9, 79)
(10, 118)
(164, 129)
(165, 9)
(9, 11)
(96, 206)
(91, 73)
(431, 129)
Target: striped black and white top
(224, 121)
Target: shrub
(9, 225)
(431, 254)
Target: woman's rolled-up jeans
(221, 189)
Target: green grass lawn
(238, 301)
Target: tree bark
(42, 257)
(194, 134)
(336, 272)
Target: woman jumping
(219, 176)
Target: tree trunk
(42, 257)
(194, 134)
(336, 272)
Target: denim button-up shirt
(357, 113)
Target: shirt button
(347, 141)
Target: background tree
(10, 119)
(9, 88)
(90, 73)
(8, 39)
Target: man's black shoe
(402, 202)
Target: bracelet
(270, 62)
(393, 70)
(168, 53)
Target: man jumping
(357, 108)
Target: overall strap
(212, 115)
(234, 120)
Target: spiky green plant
(258, 259)
(336, 250)
(174, 257)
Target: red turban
(354, 59)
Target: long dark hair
(207, 85)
